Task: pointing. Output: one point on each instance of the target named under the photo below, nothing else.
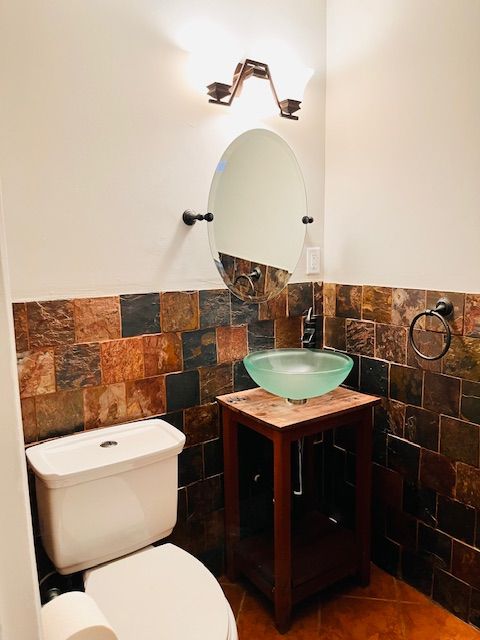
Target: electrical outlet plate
(313, 260)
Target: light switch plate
(313, 260)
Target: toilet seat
(161, 593)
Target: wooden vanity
(296, 560)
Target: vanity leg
(282, 533)
(363, 493)
(232, 498)
(310, 482)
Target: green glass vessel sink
(298, 374)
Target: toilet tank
(102, 494)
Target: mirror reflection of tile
(250, 280)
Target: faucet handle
(309, 315)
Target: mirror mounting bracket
(190, 217)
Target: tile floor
(386, 610)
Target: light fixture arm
(218, 91)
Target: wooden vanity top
(277, 413)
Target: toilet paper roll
(75, 616)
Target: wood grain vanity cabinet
(296, 559)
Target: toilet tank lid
(94, 454)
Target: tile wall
(427, 436)
(90, 363)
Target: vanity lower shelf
(323, 552)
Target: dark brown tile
(435, 545)
(261, 335)
(468, 485)
(104, 405)
(417, 571)
(403, 457)
(274, 308)
(318, 298)
(243, 312)
(456, 519)
(29, 420)
(199, 348)
(422, 427)
(406, 304)
(20, 322)
(377, 304)
(390, 417)
(122, 360)
(201, 423)
(470, 401)
(288, 333)
(391, 343)
(437, 472)
(36, 372)
(474, 617)
(406, 384)
(373, 376)
(472, 315)
(179, 311)
(402, 528)
(190, 465)
(451, 593)
(214, 308)
(215, 381)
(231, 343)
(335, 333)
(387, 486)
(460, 440)
(97, 319)
(59, 413)
(205, 497)
(349, 301)
(420, 502)
(360, 337)
(145, 397)
(183, 390)
(50, 323)
(162, 353)
(140, 314)
(441, 394)
(430, 344)
(463, 358)
(466, 564)
(78, 365)
(329, 299)
(455, 320)
(300, 298)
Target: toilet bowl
(104, 497)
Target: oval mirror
(258, 200)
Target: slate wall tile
(422, 427)
(140, 314)
(437, 472)
(162, 353)
(360, 337)
(377, 304)
(349, 301)
(50, 323)
(179, 311)
(199, 348)
(406, 384)
(460, 440)
(441, 394)
(97, 319)
(456, 519)
(214, 308)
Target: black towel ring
(442, 311)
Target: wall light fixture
(221, 93)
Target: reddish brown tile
(455, 320)
(288, 333)
(274, 308)
(349, 301)
(29, 419)
(335, 333)
(105, 405)
(437, 472)
(318, 298)
(50, 323)
(20, 322)
(472, 315)
(466, 564)
(426, 621)
(77, 365)
(360, 337)
(97, 319)
(463, 358)
(162, 353)
(441, 394)
(468, 485)
(300, 298)
(406, 593)
(357, 619)
(59, 413)
(215, 381)
(145, 397)
(231, 343)
(36, 372)
(406, 304)
(179, 311)
(390, 343)
(428, 343)
(201, 423)
(122, 360)
(329, 299)
(382, 586)
(234, 594)
(377, 304)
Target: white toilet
(103, 497)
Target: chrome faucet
(309, 330)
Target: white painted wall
(403, 143)
(19, 598)
(104, 142)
